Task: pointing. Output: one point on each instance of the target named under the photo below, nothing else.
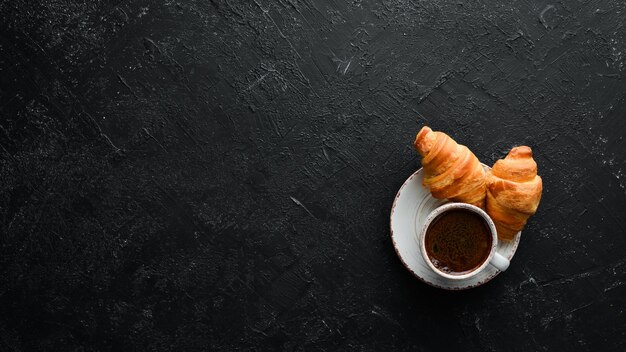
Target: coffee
(458, 241)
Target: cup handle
(499, 261)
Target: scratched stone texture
(218, 175)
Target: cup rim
(447, 207)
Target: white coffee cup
(494, 258)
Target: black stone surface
(218, 175)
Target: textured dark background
(218, 175)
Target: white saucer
(412, 205)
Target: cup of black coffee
(459, 241)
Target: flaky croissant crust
(513, 191)
(451, 170)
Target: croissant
(451, 170)
(513, 191)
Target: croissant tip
(423, 132)
(520, 151)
